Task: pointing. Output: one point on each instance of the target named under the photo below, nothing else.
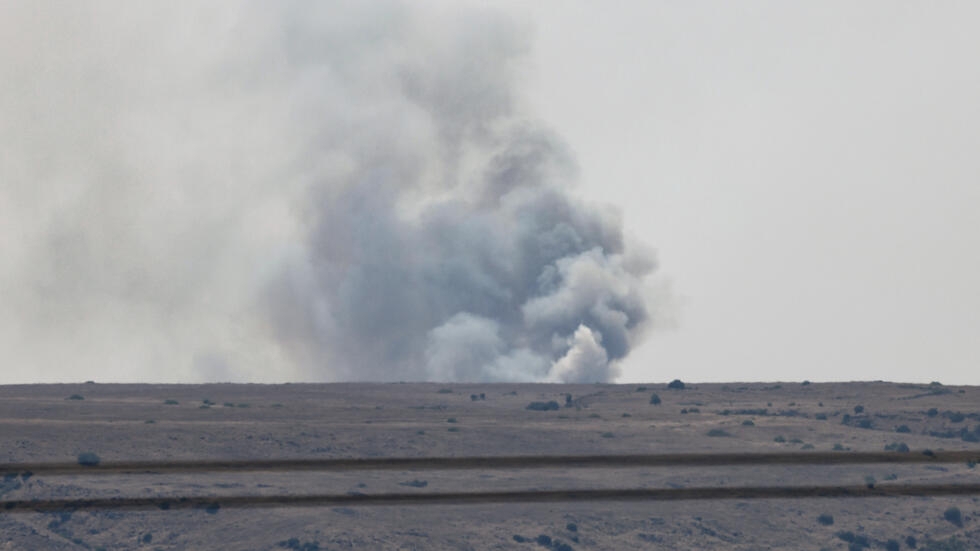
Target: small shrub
(641, 389)
(209, 508)
(451, 420)
(858, 409)
(519, 539)
(88, 459)
(846, 536)
(571, 527)
(911, 542)
(718, 432)
(795, 441)
(595, 416)
(806, 447)
(806, 383)
(654, 399)
(148, 538)
(627, 415)
(171, 402)
(779, 439)
(676, 384)
(543, 406)
(243, 405)
(956, 417)
(954, 516)
(543, 540)
(865, 424)
(903, 429)
(608, 435)
(838, 447)
(228, 405)
(820, 416)
(445, 391)
(825, 519)
(453, 429)
(748, 423)
(150, 421)
(75, 397)
(932, 412)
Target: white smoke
(294, 190)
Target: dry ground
(151, 422)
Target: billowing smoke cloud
(307, 190)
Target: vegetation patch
(954, 516)
(964, 433)
(951, 544)
(761, 412)
(901, 447)
(88, 459)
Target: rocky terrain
(61, 423)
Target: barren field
(55, 423)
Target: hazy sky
(807, 173)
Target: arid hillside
(108, 423)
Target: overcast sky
(806, 172)
(809, 173)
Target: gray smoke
(305, 190)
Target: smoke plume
(295, 190)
